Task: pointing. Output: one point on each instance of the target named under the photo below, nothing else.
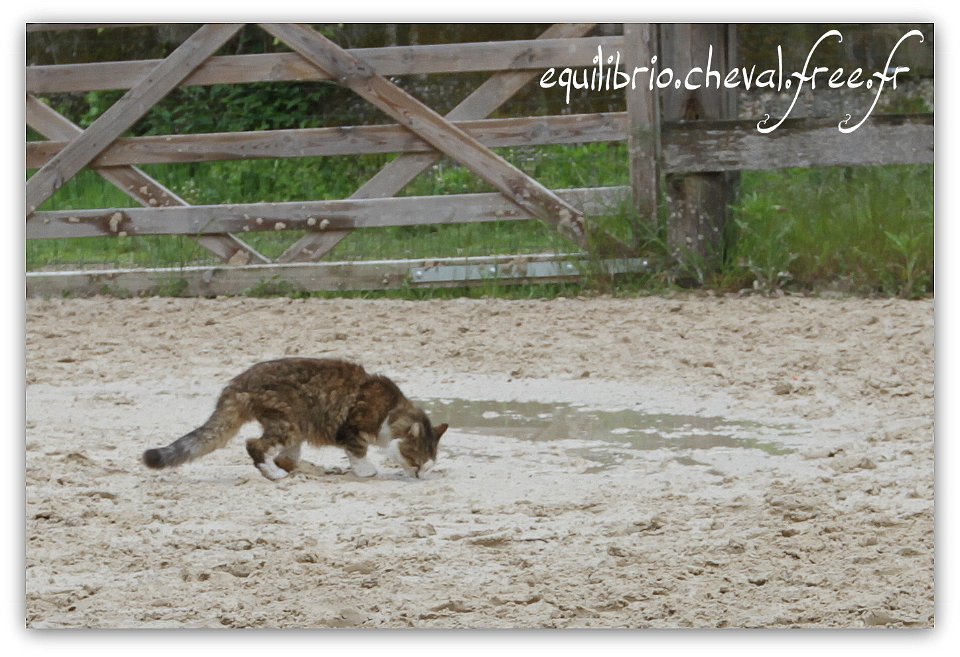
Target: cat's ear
(438, 431)
(415, 429)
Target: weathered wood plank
(690, 146)
(66, 27)
(484, 100)
(707, 146)
(328, 276)
(517, 186)
(533, 54)
(136, 184)
(641, 44)
(126, 111)
(317, 216)
(356, 140)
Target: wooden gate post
(698, 203)
(641, 44)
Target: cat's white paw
(271, 471)
(362, 467)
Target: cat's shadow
(312, 470)
(308, 469)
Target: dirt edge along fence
(685, 148)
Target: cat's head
(414, 447)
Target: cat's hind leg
(278, 446)
(288, 458)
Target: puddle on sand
(610, 429)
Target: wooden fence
(685, 149)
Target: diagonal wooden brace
(125, 112)
(483, 101)
(446, 137)
(137, 184)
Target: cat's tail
(232, 412)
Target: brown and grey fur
(318, 401)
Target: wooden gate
(684, 149)
(419, 129)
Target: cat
(319, 401)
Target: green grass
(866, 230)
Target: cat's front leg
(361, 466)
(355, 445)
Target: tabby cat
(319, 401)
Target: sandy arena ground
(832, 529)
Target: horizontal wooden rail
(394, 60)
(344, 214)
(358, 140)
(692, 146)
(67, 27)
(326, 276)
(737, 146)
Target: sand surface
(763, 462)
